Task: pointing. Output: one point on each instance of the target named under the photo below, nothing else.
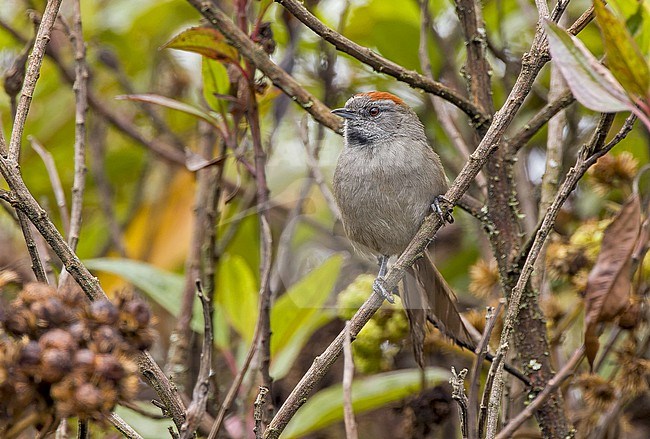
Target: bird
(386, 181)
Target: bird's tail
(427, 296)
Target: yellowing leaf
(623, 56)
(205, 41)
(609, 282)
(591, 83)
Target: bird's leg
(442, 207)
(378, 285)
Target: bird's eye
(374, 111)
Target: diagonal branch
(256, 55)
(380, 64)
(586, 157)
(34, 63)
(531, 65)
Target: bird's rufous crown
(382, 95)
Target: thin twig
(535, 123)
(348, 374)
(552, 385)
(485, 399)
(208, 180)
(80, 88)
(457, 382)
(55, 180)
(122, 426)
(255, 55)
(82, 429)
(258, 411)
(491, 317)
(31, 77)
(311, 159)
(197, 407)
(383, 65)
(131, 405)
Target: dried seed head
(108, 368)
(59, 339)
(613, 172)
(598, 392)
(36, 292)
(84, 361)
(103, 312)
(20, 321)
(30, 355)
(484, 278)
(88, 398)
(55, 364)
(105, 339)
(50, 313)
(552, 308)
(135, 314)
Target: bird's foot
(379, 287)
(443, 207)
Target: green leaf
(212, 118)
(592, 84)
(205, 41)
(623, 56)
(302, 301)
(283, 360)
(326, 407)
(237, 293)
(215, 82)
(162, 287)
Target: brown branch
(587, 156)
(477, 69)
(481, 351)
(535, 123)
(256, 56)
(208, 181)
(530, 67)
(121, 426)
(197, 407)
(258, 411)
(383, 65)
(457, 382)
(552, 385)
(32, 73)
(348, 374)
(55, 180)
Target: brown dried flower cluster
(613, 172)
(62, 356)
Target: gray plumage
(385, 180)
(387, 175)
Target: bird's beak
(345, 114)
